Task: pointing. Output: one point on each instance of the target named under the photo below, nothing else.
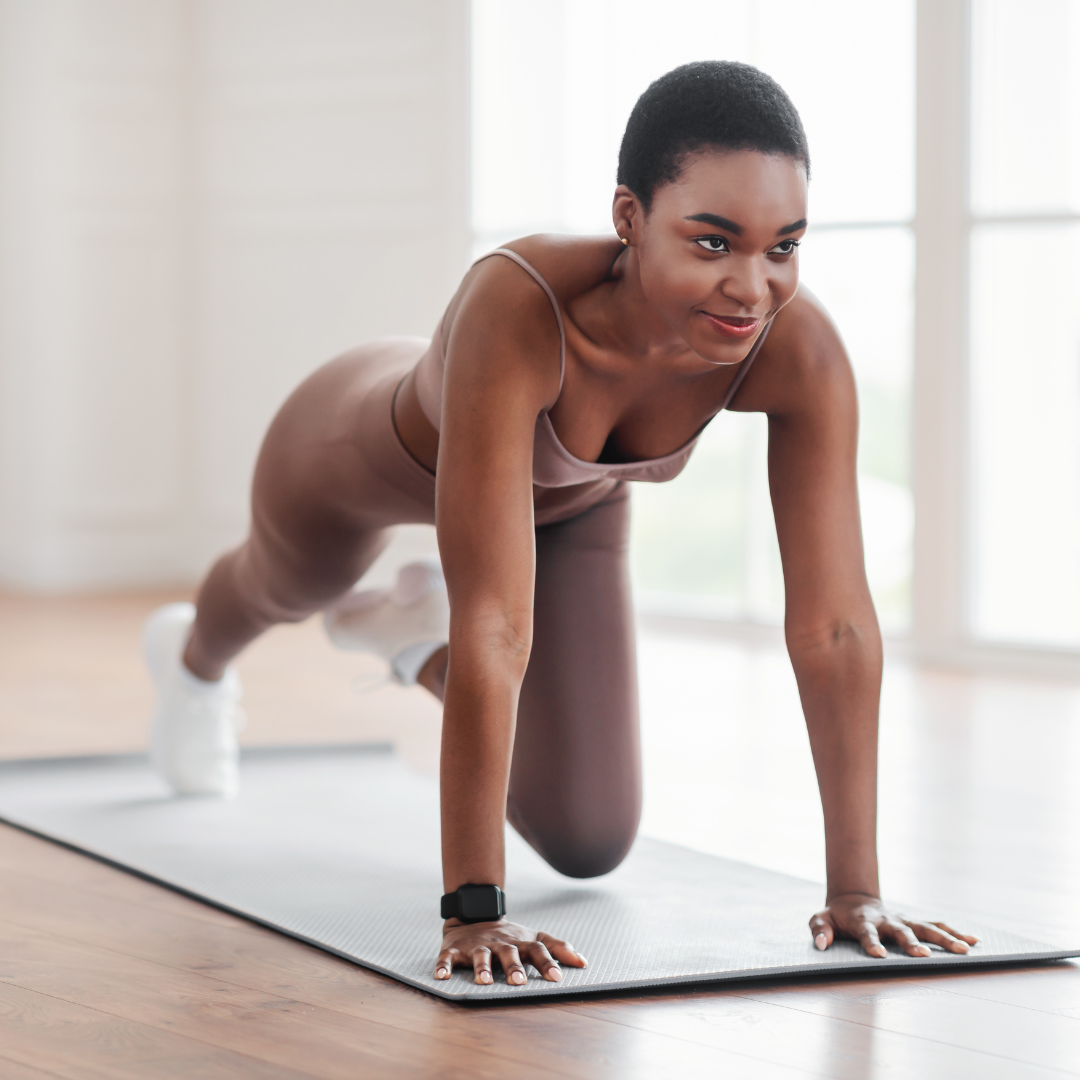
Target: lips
(736, 326)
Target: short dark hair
(708, 104)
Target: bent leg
(331, 478)
(575, 780)
(270, 580)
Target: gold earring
(624, 240)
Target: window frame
(942, 586)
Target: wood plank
(13, 1070)
(1052, 988)
(909, 1007)
(76, 1042)
(271, 1028)
(72, 681)
(24, 853)
(844, 1049)
(251, 957)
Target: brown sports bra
(553, 465)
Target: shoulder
(569, 264)
(501, 314)
(803, 362)
(805, 340)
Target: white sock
(409, 662)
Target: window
(1024, 368)
(553, 85)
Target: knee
(581, 850)
(286, 584)
(587, 857)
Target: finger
(822, 929)
(536, 953)
(869, 940)
(956, 933)
(511, 964)
(445, 964)
(933, 933)
(563, 951)
(902, 934)
(481, 962)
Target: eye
(713, 243)
(785, 247)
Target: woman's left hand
(866, 919)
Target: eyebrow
(795, 226)
(730, 226)
(718, 221)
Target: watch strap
(474, 903)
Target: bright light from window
(1025, 106)
(1024, 575)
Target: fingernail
(441, 973)
(554, 974)
(960, 946)
(485, 976)
(517, 977)
(880, 950)
(822, 942)
(923, 950)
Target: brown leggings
(332, 478)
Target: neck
(630, 320)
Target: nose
(746, 280)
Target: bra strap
(538, 278)
(744, 367)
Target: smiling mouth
(739, 326)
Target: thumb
(821, 926)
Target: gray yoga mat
(339, 847)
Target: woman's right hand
(474, 944)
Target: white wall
(201, 201)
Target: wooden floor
(104, 975)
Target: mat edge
(719, 978)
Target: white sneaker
(404, 625)
(193, 734)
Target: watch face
(479, 902)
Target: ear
(627, 214)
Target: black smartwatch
(474, 903)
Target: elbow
(498, 639)
(841, 641)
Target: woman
(562, 369)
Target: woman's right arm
(501, 370)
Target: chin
(724, 352)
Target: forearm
(839, 677)
(479, 712)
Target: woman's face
(718, 251)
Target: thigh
(332, 478)
(575, 783)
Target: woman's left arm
(830, 624)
